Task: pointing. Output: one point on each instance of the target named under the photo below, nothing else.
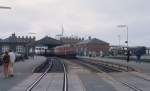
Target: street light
(127, 41)
(4, 7)
(31, 44)
(119, 39)
(125, 26)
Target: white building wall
(40, 49)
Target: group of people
(8, 62)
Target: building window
(40, 49)
(5, 48)
(20, 49)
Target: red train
(66, 50)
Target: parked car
(19, 57)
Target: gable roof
(49, 41)
(93, 41)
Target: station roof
(15, 39)
(93, 41)
(48, 41)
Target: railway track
(106, 69)
(133, 87)
(48, 69)
(114, 66)
(99, 67)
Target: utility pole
(125, 26)
(127, 42)
(62, 33)
(119, 39)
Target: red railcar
(66, 50)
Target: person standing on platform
(12, 61)
(6, 61)
(128, 55)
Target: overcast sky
(96, 18)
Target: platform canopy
(48, 41)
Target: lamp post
(31, 47)
(119, 46)
(125, 26)
(4, 7)
(127, 42)
(119, 40)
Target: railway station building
(18, 44)
(27, 45)
(148, 51)
(92, 47)
(117, 50)
(70, 40)
(46, 44)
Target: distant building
(148, 50)
(40, 49)
(26, 45)
(45, 44)
(17, 44)
(117, 50)
(92, 47)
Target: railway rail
(106, 71)
(114, 66)
(133, 87)
(50, 63)
(101, 66)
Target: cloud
(97, 18)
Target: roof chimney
(13, 35)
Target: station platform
(82, 79)
(79, 79)
(53, 81)
(140, 67)
(22, 70)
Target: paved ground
(22, 71)
(140, 83)
(94, 83)
(87, 80)
(138, 80)
(79, 79)
(142, 67)
(145, 58)
(82, 79)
